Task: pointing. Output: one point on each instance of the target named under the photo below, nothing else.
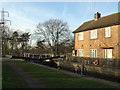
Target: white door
(80, 52)
(107, 53)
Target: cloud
(20, 17)
(26, 16)
(19, 21)
(39, 11)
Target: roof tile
(110, 20)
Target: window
(93, 53)
(93, 34)
(80, 52)
(107, 53)
(80, 36)
(107, 32)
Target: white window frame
(93, 53)
(80, 52)
(80, 36)
(93, 34)
(107, 32)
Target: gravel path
(32, 82)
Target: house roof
(110, 20)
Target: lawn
(11, 79)
(56, 79)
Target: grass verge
(56, 79)
(11, 79)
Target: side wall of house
(100, 42)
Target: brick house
(98, 38)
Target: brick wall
(101, 41)
(107, 69)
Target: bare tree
(53, 32)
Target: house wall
(101, 41)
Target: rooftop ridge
(104, 21)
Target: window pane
(80, 36)
(93, 34)
(93, 53)
(105, 53)
(107, 32)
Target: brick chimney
(97, 16)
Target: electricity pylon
(2, 27)
(3, 20)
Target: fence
(102, 62)
(107, 68)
